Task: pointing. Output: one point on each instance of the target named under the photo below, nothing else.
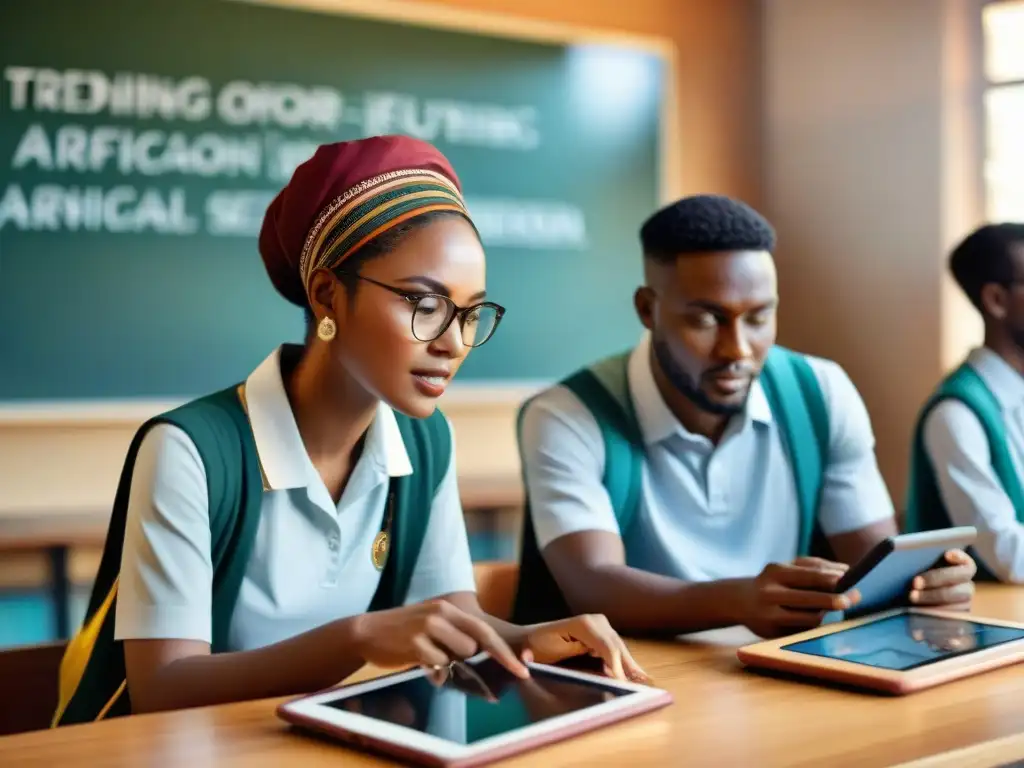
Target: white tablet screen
(476, 701)
(906, 640)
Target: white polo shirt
(957, 446)
(310, 562)
(707, 512)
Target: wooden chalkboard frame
(466, 394)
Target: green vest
(925, 509)
(92, 682)
(796, 402)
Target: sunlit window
(1003, 24)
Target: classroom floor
(26, 616)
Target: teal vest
(92, 677)
(797, 405)
(925, 509)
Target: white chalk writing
(153, 133)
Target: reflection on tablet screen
(486, 702)
(906, 641)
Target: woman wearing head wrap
(273, 537)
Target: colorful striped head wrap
(346, 195)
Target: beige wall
(53, 461)
(870, 159)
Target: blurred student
(967, 459)
(273, 537)
(686, 484)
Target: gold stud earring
(326, 329)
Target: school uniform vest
(925, 509)
(797, 405)
(92, 683)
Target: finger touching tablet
(477, 713)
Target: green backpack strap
(92, 684)
(604, 390)
(925, 509)
(797, 403)
(429, 445)
(220, 429)
(968, 387)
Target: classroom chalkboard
(141, 141)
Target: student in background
(682, 486)
(273, 537)
(967, 459)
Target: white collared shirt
(707, 512)
(957, 447)
(310, 562)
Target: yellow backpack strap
(92, 682)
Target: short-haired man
(681, 486)
(968, 453)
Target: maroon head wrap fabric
(345, 195)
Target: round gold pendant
(379, 550)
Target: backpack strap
(797, 402)
(220, 428)
(429, 445)
(604, 391)
(92, 682)
(925, 509)
(969, 388)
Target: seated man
(679, 487)
(968, 452)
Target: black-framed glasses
(433, 313)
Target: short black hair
(983, 257)
(703, 224)
(379, 246)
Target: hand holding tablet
(790, 597)
(926, 569)
(901, 649)
(949, 584)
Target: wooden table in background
(722, 715)
(57, 533)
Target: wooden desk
(723, 715)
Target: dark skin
(334, 392)
(1003, 313)
(712, 319)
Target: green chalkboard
(141, 141)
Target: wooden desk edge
(986, 754)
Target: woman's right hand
(431, 634)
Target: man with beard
(686, 484)
(968, 451)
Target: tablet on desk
(480, 713)
(883, 576)
(898, 651)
